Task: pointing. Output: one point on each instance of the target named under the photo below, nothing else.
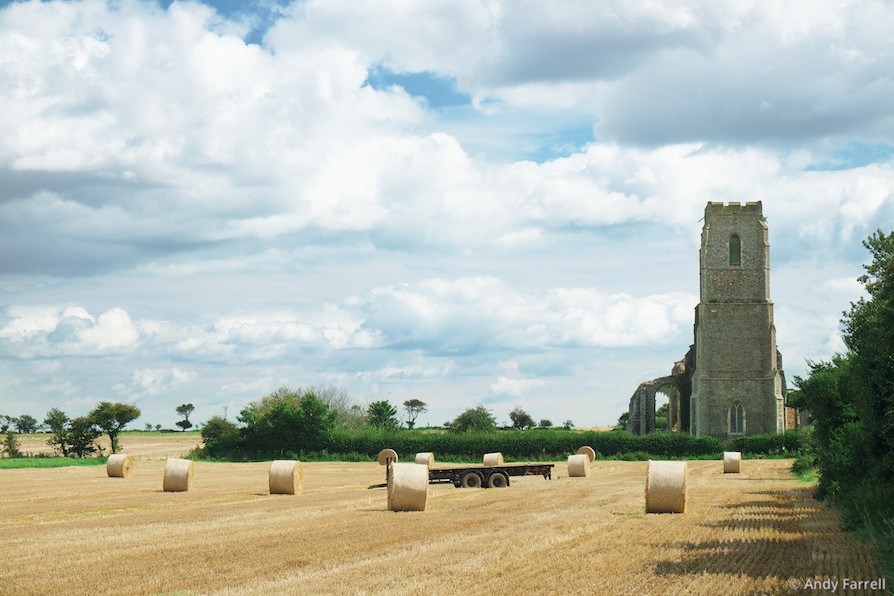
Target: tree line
(72, 437)
(851, 401)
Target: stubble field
(73, 530)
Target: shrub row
(522, 445)
(789, 442)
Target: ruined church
(731, 381)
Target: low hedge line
(522, 445)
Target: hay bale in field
(178, 475)
(385, 455)
(732, 461)
(408, 487)
(119, 465)
(588, 451)
(493, 459)
(666, 487)
(286, 477)
(578, 465)
(425, 458)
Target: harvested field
(139, 445)
(74, 530)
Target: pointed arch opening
(735, 251)
(736, 419)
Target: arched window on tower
(736, 419)
(735, 251)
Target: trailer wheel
(470, 480)
(498, 480)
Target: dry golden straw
(385, 455)
(119, 465)
(408, 487)
(286, 477)
(732, 461)
(588, 451)
(666, 487)
(178, 475)
(426, 458)
(493, 459)
(579, 465)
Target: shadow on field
(785, 534)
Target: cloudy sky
(465, 202)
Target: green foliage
(414, 407)
(57, 422)
(548, 445)
(381, 414)
(81, 436)
(286, 422)
(623, 418)
(787, 443)
(10, 445)
(521, 419)
(477, 420)
(26, 424)
(111, 418)
(5, 421)
(222, 438)
(545, 423)
(184, 410)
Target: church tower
(737, 378)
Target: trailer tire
(498, 480)
(471, 480)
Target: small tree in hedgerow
(81, 436)
(414, 407)
(185, 410)
(477, 419)
(382, 415)
(111, 418)
(57, 422)
(521, 419)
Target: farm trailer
(486, 476)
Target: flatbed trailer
(487, 476)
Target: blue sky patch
(437, 91)
(854, 155)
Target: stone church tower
(737, 383)
(731, 381)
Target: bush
(787, 443)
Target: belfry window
(737, 419)
(735, 251)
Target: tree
(5, 421)
(11, 445)
(111, 418)
(382, 415)
(81, 436)
(26, 424)
(287, 422)
(544, 423)
(185, 410)
(478, 419)
(520, 419)
(567, 424)
(623, 418)
(222, 438)
(57, 422)
(414, 407)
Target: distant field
(73, 530)
(141, 445)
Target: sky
(464, 202)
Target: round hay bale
(385, 455)
(286, 477)
(588, 451)
(408, 487)
(579, 465)
(178, 475)
(426, 458)
(119, 465)
(493, 459)
(666, 487)
(732, 461)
